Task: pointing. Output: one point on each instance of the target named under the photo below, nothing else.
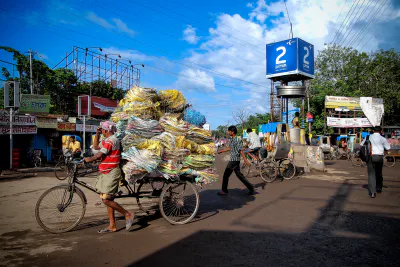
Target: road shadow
(336, 238)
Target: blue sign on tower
(293, 58)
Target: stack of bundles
(194, 117)
(199, 135)
(173, 125)
(167, 145)
(139, 102)
(172, 101)
(144, 128)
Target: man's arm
(225, 150)
(96, 141)
(94, 158)
(385, 144)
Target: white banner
(373, 109)
(88, 128)
(104, 108)
(348, 122)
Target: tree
(343, 71)
(240, 117)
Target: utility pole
(30, 74)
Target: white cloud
(128, 54)
(189, 35)
(122, 27)
(195, 80)
(99, 20)
(115, 23)
(244, 57)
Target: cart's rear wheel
(268, 171)
(56, 212)
(389, 161)
(148, 197)
(61, 170)
(287, 168)
(179, 202)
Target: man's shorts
(106, 196)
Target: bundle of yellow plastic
(182, 142)
(198, 162)
(167, 140)
(131, 140)
(139, 94)
(152, 145)
(206, 149)
(199, 135)
(172, 100)
(173, 125)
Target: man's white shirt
(379, 144)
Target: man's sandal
(105, 231)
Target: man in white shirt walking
(375, 163)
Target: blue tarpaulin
(269, 127)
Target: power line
(204, 30)
(357, 34)
(368, 28)
(147, 65)
(155, 29)
(344, 3)
(345, 29)
(355, 19)
(195, 11)
(376, 29)
(200, 67)
(338, 32)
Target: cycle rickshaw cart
(278, 163)
(62, 208)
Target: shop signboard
(88, 128)
(18, 130)
(65, 127)
(49, 123)
(290, 57)
(348, 122)
(18, 120)
(35, 104)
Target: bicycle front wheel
(59, 209)
(61, 170)
(287, 169)
(179, 202)
(389, 161)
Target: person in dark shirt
(235, 149)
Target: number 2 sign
(290, 60)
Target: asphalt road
(322, 219)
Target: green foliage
(61, 84)
(347, 72)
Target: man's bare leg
(111, 215)
(115, 206)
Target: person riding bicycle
(254, 144)
(74, 147)
(110, 173)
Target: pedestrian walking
(235, 149)
(375, 162)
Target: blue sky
(217, 47)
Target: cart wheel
(57, 211)
(268, 171)
(287, 168)
(179, 202)
(147, 198)
(356, 161)
(389, 161)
